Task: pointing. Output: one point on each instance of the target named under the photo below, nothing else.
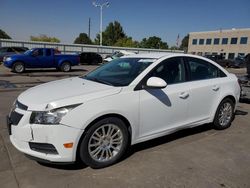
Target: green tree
(83, 38)
(4, 35)
(44, 38)
(184, 43)
(111, 34)
(127, 42)
(174, 48)
(153, 42)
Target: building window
(243, 40)
(231, 56)
(225, 41)
(194, 41)
(234, 40)
(216, 41)
(201, 41)
(209, 41)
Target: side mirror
(156, 82)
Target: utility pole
(89, 27)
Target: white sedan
(136, 98)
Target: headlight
(8, 59)
(50, 117)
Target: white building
(229, 43)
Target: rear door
(204, 83)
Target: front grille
(21, 106)
(15, 118)
(43, 148)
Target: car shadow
(73, 166)
(166, 139)
(240, 113)
(245, 100)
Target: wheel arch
(18, 61)
(124, 119)
(64, 61)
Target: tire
(224, 114)
(18, 67)
(99, 151)
(65, 67)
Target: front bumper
(7, 64)
(25, 136)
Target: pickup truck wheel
(18, 67)
(65, 67)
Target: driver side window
(172, 71)
(38, 52)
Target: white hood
(64, 92)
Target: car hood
(64, 92)
(16, 55)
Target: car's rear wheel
(18, 67)
(224, 114)
(65, 67)
(104, 143)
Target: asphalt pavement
(198, 157)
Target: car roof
(154, 55)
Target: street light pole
(101, 8)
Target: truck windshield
(119, 72)
(28, 52)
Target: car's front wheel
(104, 143)
(18, 67)
(224, 114)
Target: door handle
(215, 88)
(184, 95)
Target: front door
(165, 109)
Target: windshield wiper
(98, 80)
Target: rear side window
(201, 70)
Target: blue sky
(65, 19)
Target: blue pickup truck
(41, 58)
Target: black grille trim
(15, 118)
(43, 148)
(21, 106)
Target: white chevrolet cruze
(136, 98)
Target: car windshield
(119, 72)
